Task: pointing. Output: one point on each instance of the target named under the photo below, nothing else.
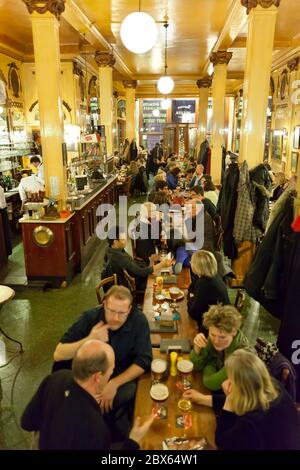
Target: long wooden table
(203, 418)
(187, 327)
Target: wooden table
(203, 418)
(187, 327)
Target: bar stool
(6, 294)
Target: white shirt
(30, 184)
(2, 198)
(40, 173)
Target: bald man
(65, 409)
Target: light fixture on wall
(165, 103)
(138, 32)
(165, 84)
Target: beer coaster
(188, 421)
(180, 386)
(161, 413)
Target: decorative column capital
(220, 58)
(293, 64)
(204, 82)
(104, 59)
(130, 83)
(42, 6)
(249, 4)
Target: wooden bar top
(187, 327)
(203, 418)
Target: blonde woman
(224, 337)
(207, 287)
(255, 412)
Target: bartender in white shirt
(29, 184)
(37, 163)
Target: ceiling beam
(80, 22)
(241, 42)
(236, 20)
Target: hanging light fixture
(165, 103)
(156, 112)
(138, 32)
(165, 84)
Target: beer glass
(158, 369)
(174, 293)
(159, 394)
(185, 368)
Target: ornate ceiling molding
(57, 7)
(220, 58)
(130, 83)
(249, 4)
(293, 64)
(204, 82)
(104, 59)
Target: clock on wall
(14, 81)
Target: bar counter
(56, 249)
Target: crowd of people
(87, 402)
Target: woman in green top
(224, 337)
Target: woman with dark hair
(210, 191)
(172, 178)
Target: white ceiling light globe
(138, 32)
(165, 103)
(155, 112)
(165, 85)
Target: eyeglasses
(113, 312)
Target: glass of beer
(184, 405)
(174, 293)
(158, 369)
(185, 368)
(159, 394)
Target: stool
(6, 293)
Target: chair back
(107, 280)
(239, 300)
(131, 282)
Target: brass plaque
(43, 236)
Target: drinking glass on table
(185, 368)
(158, 369)
(174, 293)
(159, 394)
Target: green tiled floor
(39, 319)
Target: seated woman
(224, 337)
(172, 178)
(256, 412)
(207, 288)
(278, 187)
(210, 191)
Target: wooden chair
(103, 282)
(124, 189)
(239, 300)
(138, 296)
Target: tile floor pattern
(39, 318)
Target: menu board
(183, 111)
(152, 123)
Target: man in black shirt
(126, 329)
(65, 411)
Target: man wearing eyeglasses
(126, 329)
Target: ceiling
(197, 27)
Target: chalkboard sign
(150, 122)
(183, 111)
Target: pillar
(203, 84)
(45, 32)
(261, 30)
(220, 61)
(130, 86)
(105, 62)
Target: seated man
(146, 232)
(65, 409)
(118, 259)
(127, 331)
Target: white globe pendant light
(165, 84)
(138, 32)
(156, 112)
(165, 103)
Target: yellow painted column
(220, 61)
(130, 86)
(261, 30)
(105, 62)
(203, 84)
(45, 31)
